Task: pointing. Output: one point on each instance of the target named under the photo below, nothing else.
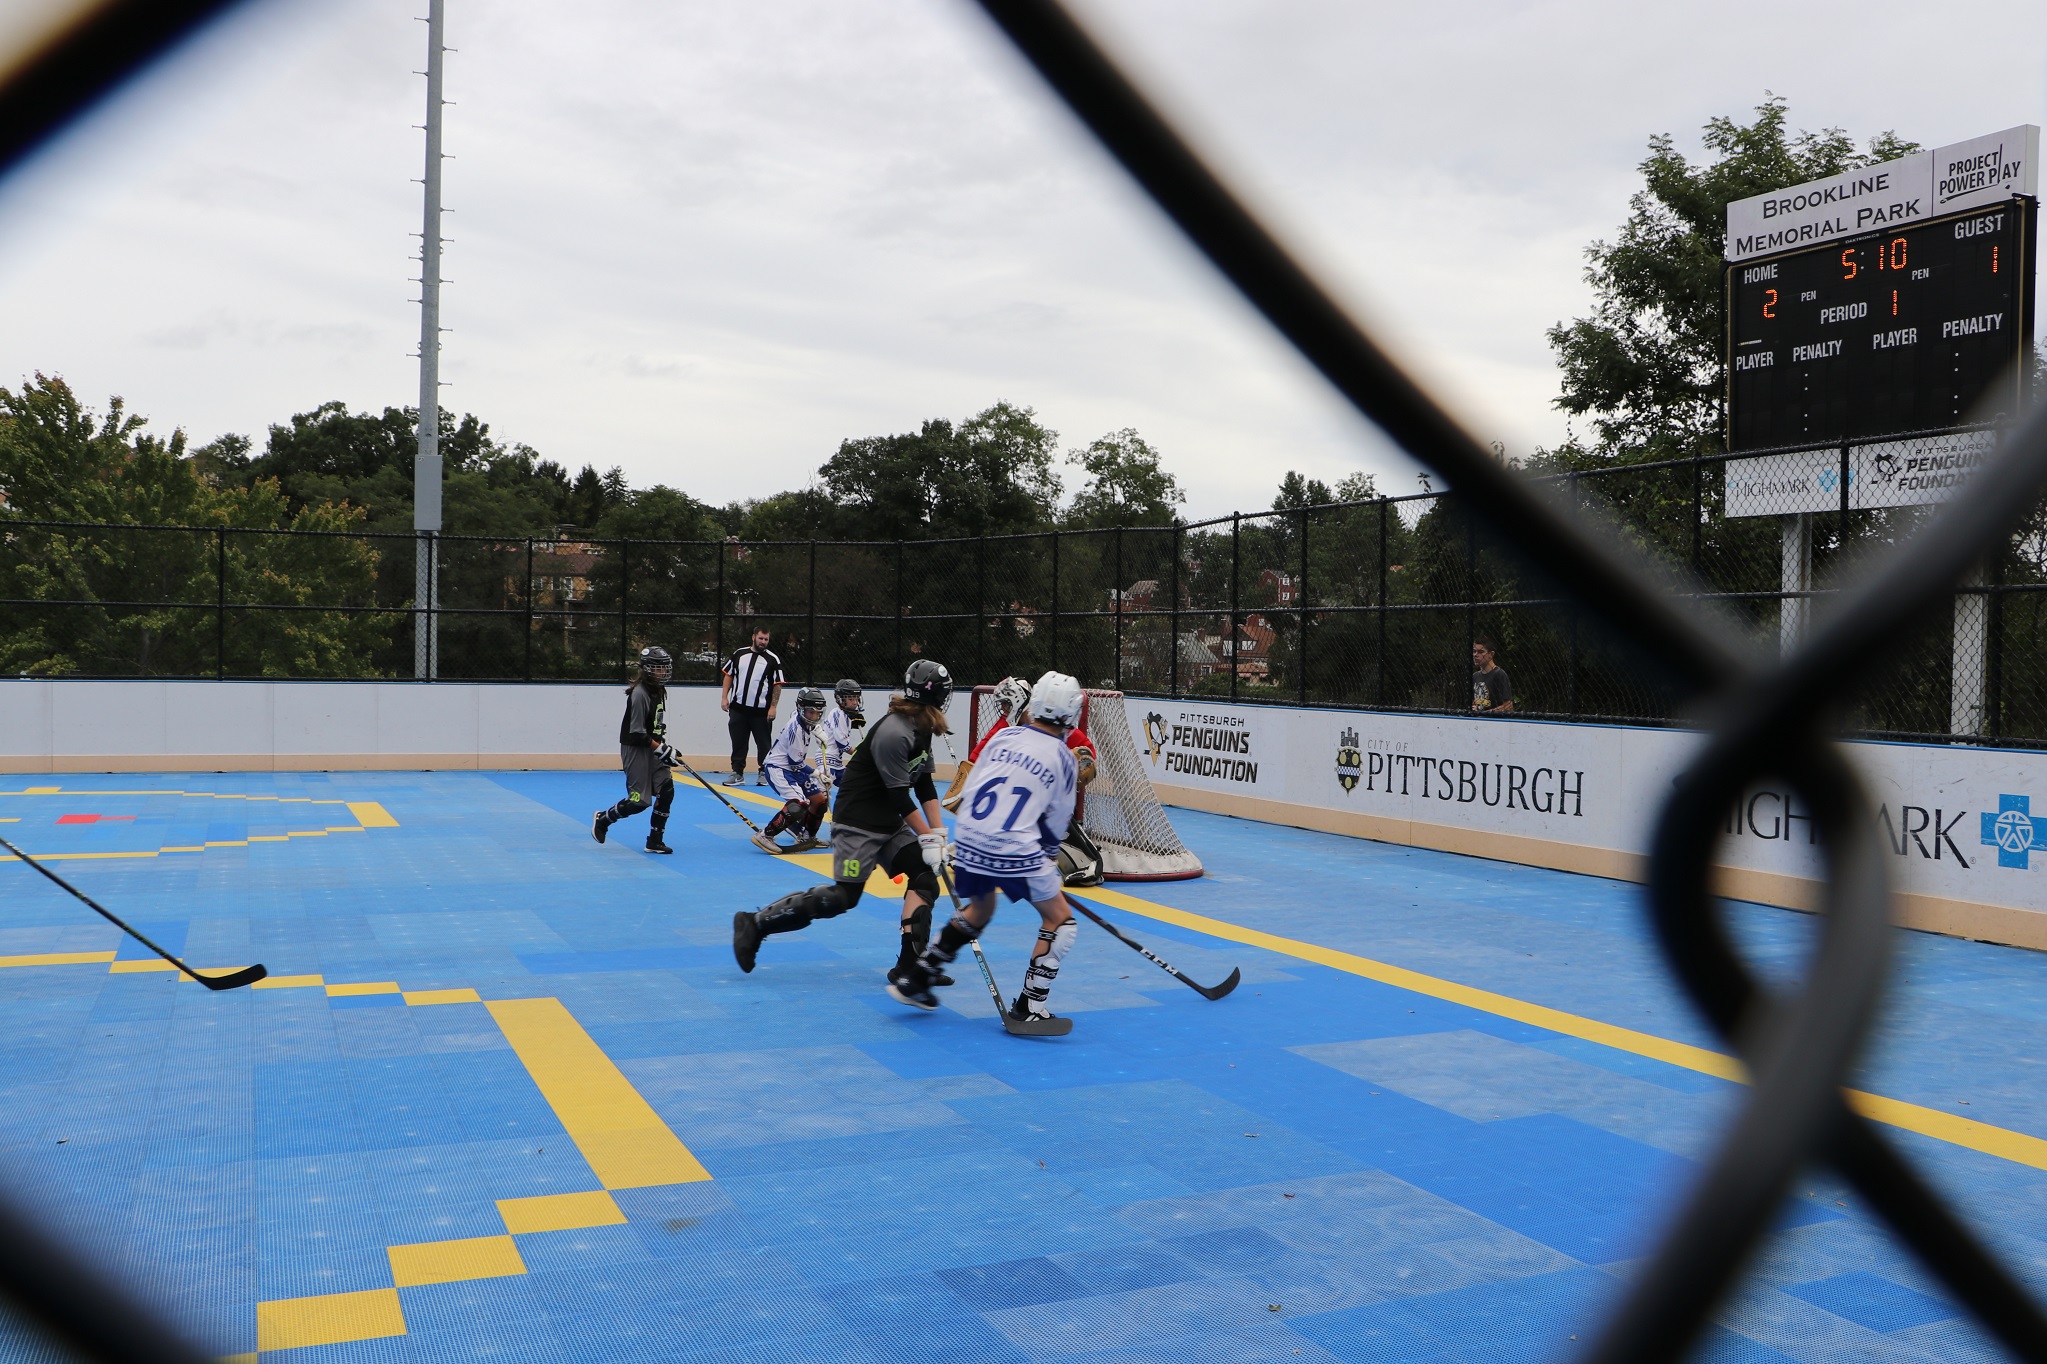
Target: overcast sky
(708, 241)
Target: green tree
(1645, 366)
(990, 475)
(1127, 484)
(145, 602)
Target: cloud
(709, 241)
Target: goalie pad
(955, 793)
(1080, 861)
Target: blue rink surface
(1318, 1167)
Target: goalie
(1080, 861)
(793, 775)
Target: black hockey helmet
(927, 681)
(847, 691)
(655, 664)
(810, 700)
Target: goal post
(1119, 809)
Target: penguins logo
(1154, 735)
(1350, 764)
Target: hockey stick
(1205, 991)
(233, 980)
(683, 763)
(1016, 1027)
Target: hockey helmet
(928, 681)
(810, 701)
(1012, 694)
(848, 693)
(655, 664)
(1056, 699)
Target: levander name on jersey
(1019, 807)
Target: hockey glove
(665, 755)
(932, 846)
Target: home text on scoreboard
(1913, 328)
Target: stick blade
(233, 980)
(1218, 991)
(1037, 1027)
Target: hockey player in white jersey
(840, 732)
(1017, 806)
(792, 768)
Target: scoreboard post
(1875, 320)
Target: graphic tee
(1490, 689)
(1018, 803)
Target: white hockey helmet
(1056, 698)
(1012, 694)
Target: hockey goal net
(1119, 810)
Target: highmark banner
(1957, 821)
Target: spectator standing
(1491, 692)
(748, 693)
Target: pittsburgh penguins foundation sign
(1202, 744)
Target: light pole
(426, 464)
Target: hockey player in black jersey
(886, 818)
(641, 735)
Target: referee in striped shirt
(747, 692)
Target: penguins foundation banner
(1958, 821)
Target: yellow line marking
(371, 815)
(479, 1257)
(223, 843)
(2017, 1147)
(560, 1212)
(288, 982)
(442, 997)
(131, 967)
(330, 1319)
(366, 987)
(57, 959)
(11, 819)
(190, 795)
(621, 1136)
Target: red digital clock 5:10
(1898, 331)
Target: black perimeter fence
(1366, 605)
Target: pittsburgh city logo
(1350, 764)
(1155, 732)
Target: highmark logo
(2015, 831)
(1350, 764)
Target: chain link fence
(1369, 605)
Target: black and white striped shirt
(753, 674)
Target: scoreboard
(1907, 329)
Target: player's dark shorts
(972, 885)
(856, 852)
(645, 774)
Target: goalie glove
(1085, 759)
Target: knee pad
(956, 934)
(793, 810)
(923, 883)
(836, 899)
(805, 907)
(917, 928)
(665, 798)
